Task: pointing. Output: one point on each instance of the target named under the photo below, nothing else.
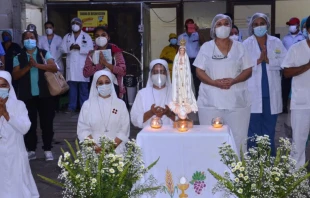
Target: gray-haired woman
(223, 66)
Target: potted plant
(259, 175)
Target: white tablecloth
(183, 154)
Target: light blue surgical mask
(305, 32)
(260, 31)
(4, 93)
(104, 90)
(30, 44)
(173, 41)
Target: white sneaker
(48, 155)
(32, 155)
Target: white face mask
(49, 31)
(234, 37)
(159, 80)
(101, 41)
(222, 32)
(104, 90)
(75, 28)
(293, 28)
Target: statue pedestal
(189, 123)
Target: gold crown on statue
(182, 42)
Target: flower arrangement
(259, 175)
(88, 173)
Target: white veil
(94, 94)
(7, 76)
(163, 63)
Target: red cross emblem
(114, 111)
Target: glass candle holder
(156, 123)
(217, 122)
(182, 125)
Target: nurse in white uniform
(296, 64)
(223, 66)
(104, 114)
(267, 53)
(154, 99)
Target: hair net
(215, 20)
(303, 21)
(253, 18)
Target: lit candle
(217, 123)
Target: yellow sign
(93, 18)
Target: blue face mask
(260, 31)
(305, 32)
(4, 93)
(6, 38)
(30, 44)
(173, 41)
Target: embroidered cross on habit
(114, 111)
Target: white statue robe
(94, 120)
(143, 102)
(16, 180)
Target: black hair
(308, 23)
(230, 15)
(103, 28)
(49, 22)
(33, 32)
(233, 26)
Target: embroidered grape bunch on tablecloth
(198, 181)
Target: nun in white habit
(153, 100)
(104, 114)
(16, 177)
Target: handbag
(56, 83)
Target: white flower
(60, 161)
(240, 190)
(239, 164)
(233, 164)
(65, 174)
(237, 180)
(277, 179)
(77, 161)
(114, 164)
(120, 168)
(240, 175)
(241, 168)
(121, 164)
(233, 170)
(67, 155)
(102, 171)
(77, 176)
(253, 186)
(111, 170)
(93, 180)
(246, 178)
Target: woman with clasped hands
(223, 66)
(267, 53)
(16, 178)
(104, 114)
(152, 101)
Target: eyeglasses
(218, 56)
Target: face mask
(30, 44)
(305, 32)
(4, 93)
(222, 32)
(104, 90)
(101, 41)
(49, 31)
(234, 37)
(159, 80)
(6, 38)
(75, 28)
(260, 31)
(173, 41)
(293, 28)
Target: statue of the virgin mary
(183, 99)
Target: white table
(183, 154)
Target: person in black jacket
(28, 68)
